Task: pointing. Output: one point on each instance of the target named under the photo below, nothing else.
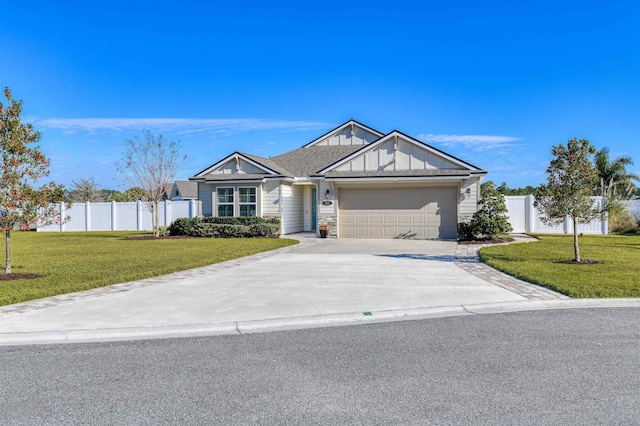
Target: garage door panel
(390, 218)
(361, 219)
(398, 213)
(375, 218)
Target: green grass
(617, 276)
(75, 261)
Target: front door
(314, 206)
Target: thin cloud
(474, 142)
(178, 125)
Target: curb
(300, 323)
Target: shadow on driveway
(440, 258)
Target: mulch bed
(491, 241)
(582, 262)
(11, 277)
(163, 237)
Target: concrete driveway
(318, 277)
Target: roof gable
(349, 133)
(238, 163)
(397, 151)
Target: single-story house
(181, 190)
(356, 180)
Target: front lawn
(74, 261)
(538, 262)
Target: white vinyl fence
(633, 206)
(526, 218)
(113, 216)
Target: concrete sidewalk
(316, 283)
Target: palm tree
(615, 180)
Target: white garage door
(420, 213)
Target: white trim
(341, 128)
(398, 179)
(237, 156)
(407, 138)
(227, 181)
(233, 203)
(255, 203)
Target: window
(224, 201)
(247, 201)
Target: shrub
(621, 220)
(490, 220)
(226, 227)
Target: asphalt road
(578, 366)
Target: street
(575, 366)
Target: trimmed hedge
(226, 227)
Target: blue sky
(494, 83)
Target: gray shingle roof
(187, 189)
(268, 163)
(303, 162)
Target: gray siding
(346, 137)
(271, 199)
(468, 202)
(407, 156)
(231, 167)
(204, 195)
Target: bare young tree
(150, 162)
(86, 190)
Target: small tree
(22, 165)
(150, 163)
(86, 190)
(490, 220)
(572, 178)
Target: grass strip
(75, 261)
(617, 274)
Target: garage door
(419, 213)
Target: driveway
(318, 277)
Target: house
(359, 182)
(181, 190)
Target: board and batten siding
(345, 137)
(468, 204)
(231, 167)
(292, 208)
(408, 156)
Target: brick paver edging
(467, 258)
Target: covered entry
(416, 212)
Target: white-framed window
(224, 201)
(247, 204)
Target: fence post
(114, 209)
(138, 216)
(87, 216)
(530, 214)
(604, 224)
(192, 208)
(167, 212)
(63, 212)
